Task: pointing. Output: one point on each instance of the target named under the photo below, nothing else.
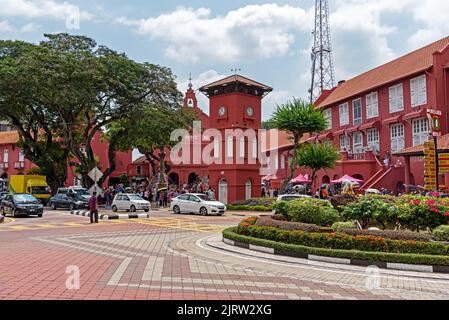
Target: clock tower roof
(236, 83)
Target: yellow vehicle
(35, 185)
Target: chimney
(341, 82)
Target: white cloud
(40, 9)
(250, 32)
(7, 28)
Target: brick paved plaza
(176, 257)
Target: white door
(194, 204)
(125, 204)
(248, 190)
(223, 191)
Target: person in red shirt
(93, 207)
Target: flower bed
(341, 241)
(417, 259)
(257, 204)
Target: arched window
(223, 191)
(242, 147)
(230, 147)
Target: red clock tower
(236, 105)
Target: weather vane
(236, 70)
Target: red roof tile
(443, 144)
(9, 137)
(412, 63)
(233, 79)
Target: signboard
(430, 174)
(435, 117)
(443, 159)
(95, 174)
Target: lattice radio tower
(323, 75)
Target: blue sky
(269, 40)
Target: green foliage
(369, 208)
(312, 211)
(281, 208)
(236, 207)
(418, 259)
(340, 201)
(317, 156)
(341, 241)
(338, 226)
(388, 234)
(286, 225)
(441, 233)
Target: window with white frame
(357, 111)
(357, 140)
(5, 156)
(373, 139)
(372, 105)
(276, 161)
(230, 147)
(282, 162)
(328, 116)
(242, 147)
(344, 143)
(216, 148)
(396, 98)
(255, 148)
(397, 137)
(420, 131)
(21, 156)
(418, 91)
(344, 114)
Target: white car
(130, 202)
(290, 197)
(197, 204)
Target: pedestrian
(263, 192)
(165, 199)
(93, 207)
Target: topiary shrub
(441, 233)
(286, 225)
(369, 208)
(312, 211)
(338, 226)
(281, 208)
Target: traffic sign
(435, 117)
(95, 174)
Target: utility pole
(323, 74)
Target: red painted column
(407, 174)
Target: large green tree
(75, 89)
(317, 156)
(298, 117)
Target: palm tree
(317, 156)
(298, 117)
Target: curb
(353, 262)
(2, 219)
(114, 216)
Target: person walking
(93, 207)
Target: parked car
(197, 204)
(130, 202)
(22, 205)
(3, 196)
(83, 192)
(69, 201)
(291, 197)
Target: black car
(22, 205)
(68, 201)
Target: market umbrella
(301, 179)
(346, 178)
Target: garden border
(344, 257)
(112, 216)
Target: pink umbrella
(346, 178)
(301, 179)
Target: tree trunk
(162, 178)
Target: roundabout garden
(367, 230)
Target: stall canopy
(301, 179)
(346, 178)
(270, 177)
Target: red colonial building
(380, 113)
(235, 104)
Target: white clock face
(222, 111)
(250, 111)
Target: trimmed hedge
(441, 233)
(388, 234)
(285, 225)
(419, 259)
(338, 226)
(241, 207)
(341, 241)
